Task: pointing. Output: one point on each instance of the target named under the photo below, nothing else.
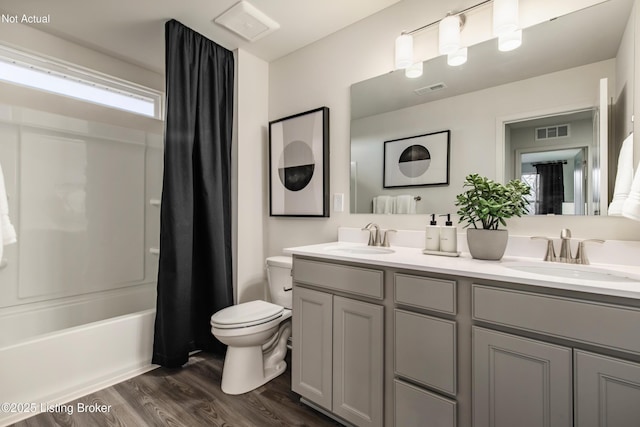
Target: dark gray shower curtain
(194, 271)
(550, 188)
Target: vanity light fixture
(457, 58)
(404, 51)
(449, 34)
(510, 41)
(505, 26)
(505, 17)
(414, 70)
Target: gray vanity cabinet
(337, 360)
(520, 382)
(607, 391)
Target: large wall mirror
(517, 114)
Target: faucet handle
(385, 242)
(550, 255)
(581, 255)
(565, 233)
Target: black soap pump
(432, 235)
(448, 236)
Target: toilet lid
(246, 314)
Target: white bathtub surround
(43, 370)
(7, 232)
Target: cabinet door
(358, 361)
(607, 391)
(520, 382)
(312, 345)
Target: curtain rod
(556, 162)
(424, 27)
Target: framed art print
(299, 164)
(420, 160)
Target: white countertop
(412, 258)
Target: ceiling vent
(428, 89)
(558, 131)
(247, 21)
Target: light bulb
(414, 70)
(505, 17)
(449, 35)
(510, 41)
(404, 51)
(458, 57)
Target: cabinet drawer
(425, 350)
(415, 407)
(354, 280)
(601, 324)
(426, 292)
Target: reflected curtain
(195, 266)
(550, 188)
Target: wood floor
(189, 397)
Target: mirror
(556, 72)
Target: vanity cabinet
(337, 361)
(386, 346)
(529, 382)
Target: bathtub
(58, 367)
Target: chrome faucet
(374, 234)
(565, 249)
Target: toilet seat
(247, 314)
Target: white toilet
(256, 333)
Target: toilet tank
(279, 276)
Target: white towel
(383, 204)
(624, 177)
(631, 207)
(7, 232)
(405, 204)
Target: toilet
(256, 333)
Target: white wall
(251, 195)
(321, 74)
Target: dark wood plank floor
(189, 397)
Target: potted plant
(486, 205)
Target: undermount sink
(361, 250)
(572, 271)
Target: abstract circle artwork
(414, 161)
(296, 165)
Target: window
(68, 80)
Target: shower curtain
(195, 266)
(550, 188)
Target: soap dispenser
(448, 236)
(432, 235)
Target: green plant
(489, 203)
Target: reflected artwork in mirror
(557, 73)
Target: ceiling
(134, 29)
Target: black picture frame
(299, 165)
(417, 161)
